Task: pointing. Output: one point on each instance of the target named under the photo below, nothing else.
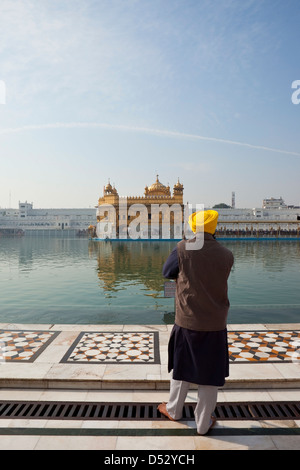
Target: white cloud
(144, 130)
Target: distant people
(198, 348)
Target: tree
(221, 205)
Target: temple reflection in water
(134, 269)
(140, 263)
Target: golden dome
(178, 185)
(109, 189)
(158, 188)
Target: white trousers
(206, 403)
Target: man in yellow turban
(198, 349)
(205, 221)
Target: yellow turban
(204, 220)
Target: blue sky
(126, 89)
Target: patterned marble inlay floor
(23, 346)
(126, 347)
(264, 346)
(143, 347)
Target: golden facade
(157, 205)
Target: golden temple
(157, 204)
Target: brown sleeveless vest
(201, 288)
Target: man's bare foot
(162, 408)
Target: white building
(258, 213)
(252, 221)
(274, 203)
(28, 218)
